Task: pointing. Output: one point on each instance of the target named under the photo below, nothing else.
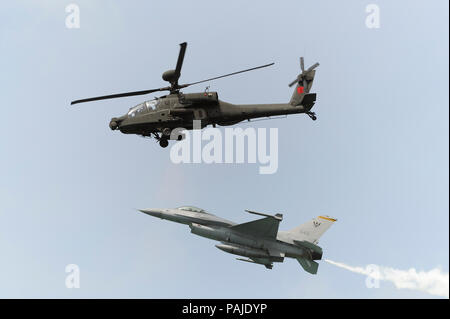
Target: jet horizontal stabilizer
(308, 265)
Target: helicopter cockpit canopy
(192, 209)
(143, 107)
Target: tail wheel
(312, 115)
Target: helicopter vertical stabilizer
(303, 83)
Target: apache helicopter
(159, 116)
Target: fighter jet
(258, 240)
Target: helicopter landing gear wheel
(163, 142)
(312, 115)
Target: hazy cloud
(434, 282)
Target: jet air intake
(208, 232)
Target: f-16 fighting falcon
(258, 240)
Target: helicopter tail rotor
(304, 81)
(305, 78)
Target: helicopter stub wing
(200, 99)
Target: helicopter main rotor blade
(180, 60)
(222, 76)
(113, 96)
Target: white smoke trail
(433, 282)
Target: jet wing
(265, 227)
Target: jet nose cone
(156, 212)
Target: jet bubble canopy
(192, 209)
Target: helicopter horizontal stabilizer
(309, 100)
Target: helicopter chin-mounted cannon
(160, 116)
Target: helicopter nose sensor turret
(114, 124)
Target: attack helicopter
(159, 116)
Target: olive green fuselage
(173, 111)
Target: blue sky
(376, 159)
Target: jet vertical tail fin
(312, 230)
